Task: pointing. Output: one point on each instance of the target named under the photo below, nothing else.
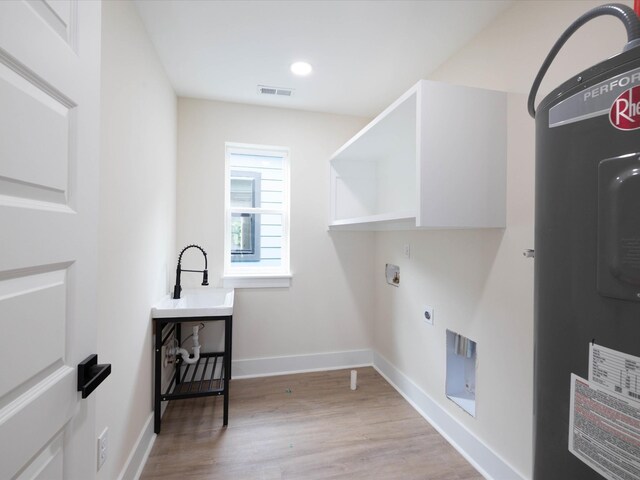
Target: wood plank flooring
(303, 427)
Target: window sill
(256, 281)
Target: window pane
(242, 233)
(271, 239)
(257, 179)
(245, 237)
(257, 201)
(245, 187)
(256, 239)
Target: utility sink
(205, 302)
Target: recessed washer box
(460, 388)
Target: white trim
(482, 458)
(270, 366)
(259, 150)
(140, 453)
(231, 270)
(256, 281)
(488, 463)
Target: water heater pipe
(186, 358)
(626, 15)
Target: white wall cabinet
(435, 158)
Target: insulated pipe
(626, 15)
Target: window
(245, 231)
(256, 212)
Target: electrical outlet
(427, 314)
(168, 352)
(168, 356)
(103, 447)
(406, 249)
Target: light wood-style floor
(304, 427)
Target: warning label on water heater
(604, 423)
(616, 371)
(604, 430)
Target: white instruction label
(616, 371)
(604, 430)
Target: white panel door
(49, 134)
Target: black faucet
(205, 274)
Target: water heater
(587, 267)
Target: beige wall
(329, 304)
(136, 225)
(478, 280)
(507, 55)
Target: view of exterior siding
(257, 202)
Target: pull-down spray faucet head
(205, 273)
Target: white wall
(478, 281)
(507, 55)
(329, 304)
(136, 225)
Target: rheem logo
(625, 111)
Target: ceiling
(364, 53)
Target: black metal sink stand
(187, 382)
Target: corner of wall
(483, 458)
(136, 229)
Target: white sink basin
(205, 302)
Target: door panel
(37, 416)
(58, 14)
(30, 304)
(47, 465)
(34, 140)
(49, 146)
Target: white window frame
(240, 274)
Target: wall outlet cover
(103, 447)
(427, 314)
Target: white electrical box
(427, 314)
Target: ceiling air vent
(283, 92)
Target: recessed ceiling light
(301, 68)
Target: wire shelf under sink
(203, 378)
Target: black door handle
(90, 374)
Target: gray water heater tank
(587, 246)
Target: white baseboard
(487, 462)
(140, 453)
(258, 367)
(264, 367)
